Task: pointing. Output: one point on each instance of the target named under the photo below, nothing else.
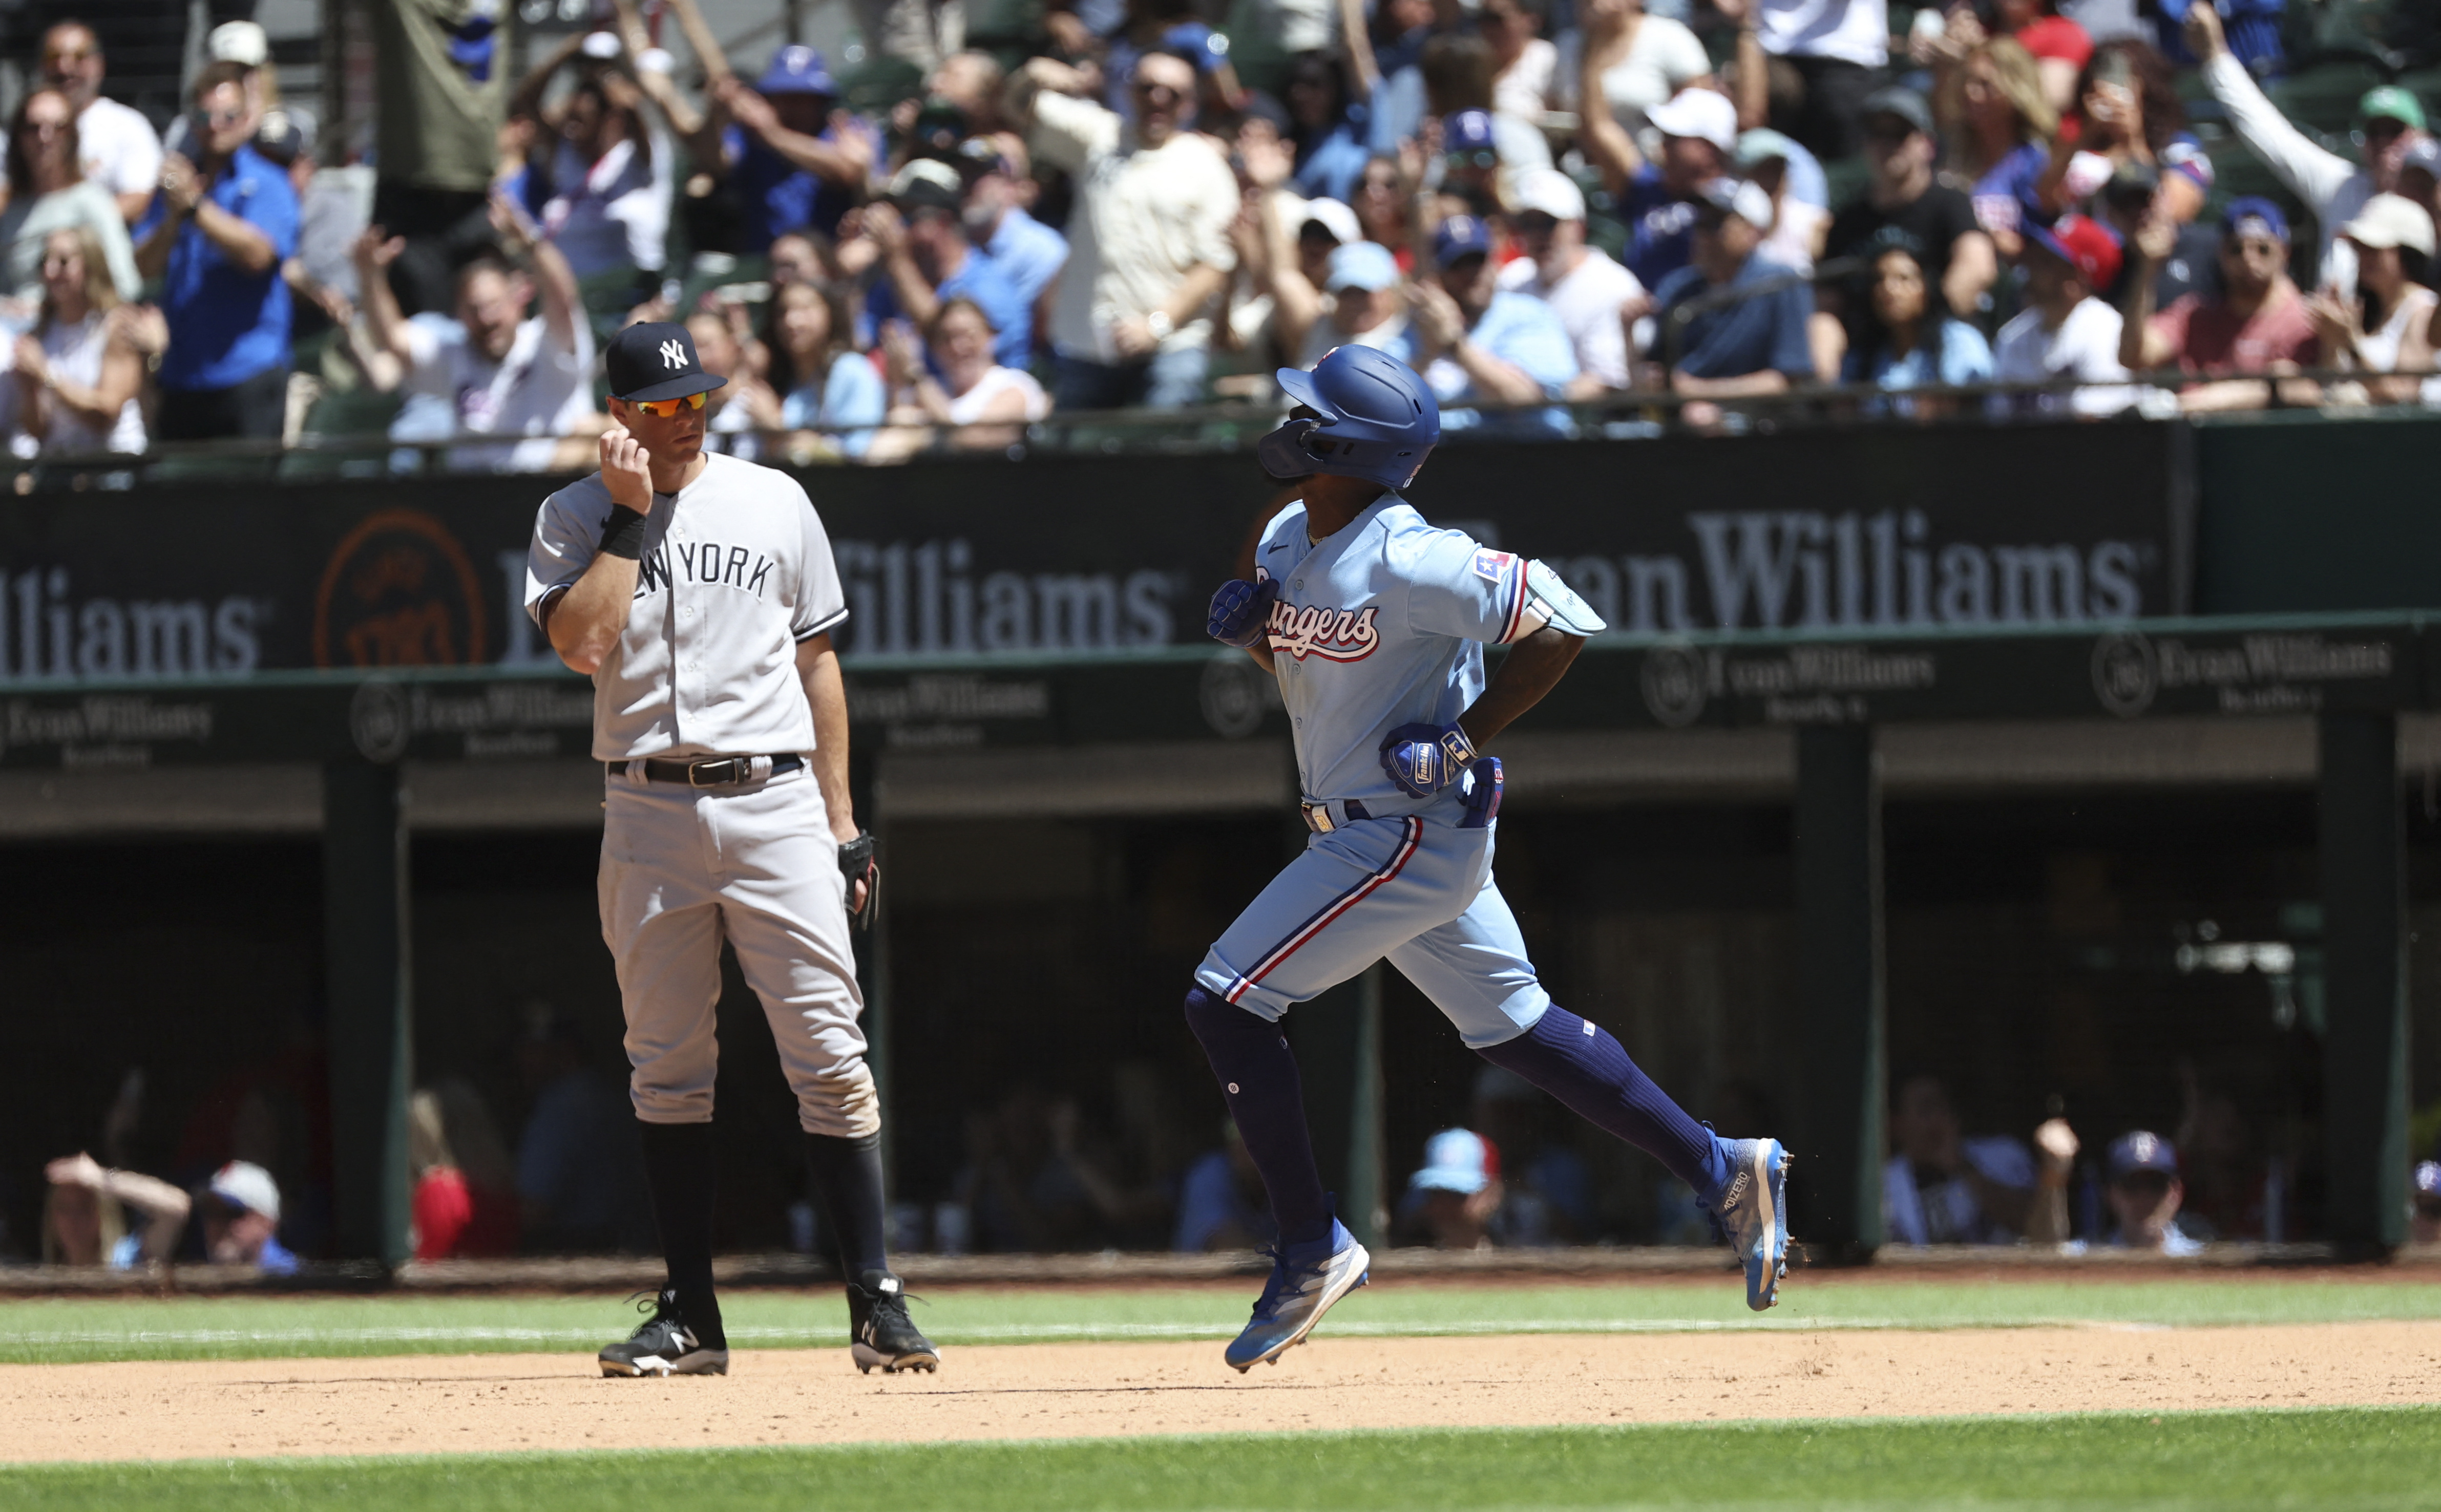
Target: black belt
(708, 771)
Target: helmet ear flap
(1292, 451)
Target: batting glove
(1242, 611)
(1423, 759)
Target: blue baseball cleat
(1306, 1280)
(1753, 1212)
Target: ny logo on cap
(672, 354)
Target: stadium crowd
(1533, 202)
(540, 1159)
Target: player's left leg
(1330, 913)
(785, 904)
(1474, 969)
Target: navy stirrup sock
(1258, 1075)
(1585, 1067)
(678, 1168)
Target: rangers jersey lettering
(1382, 624)
(1335, 635)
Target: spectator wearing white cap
(1149, 239)
(241, 1220)
(1361, 305)
(2424, 1189)
(1450, 1199)
(1657, 199)
(119, 148)
(247, 44)
(2384, 325)
(1477, 344)
(1597, 300)
(1302, 283)
(1753, 343)
(1801, 210)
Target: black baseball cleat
(880, 1331)
(664, 1345)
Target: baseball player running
(1375, 625)
(698, 593)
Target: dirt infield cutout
(438, 1404)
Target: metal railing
(1228, 428)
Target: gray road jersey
(736, 572)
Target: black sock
(1259, 1076)
(680, 1168)
(847, 1183)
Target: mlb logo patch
(1492, 565)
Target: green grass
(58, 1329)
(2352, 1457)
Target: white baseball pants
(683, 869)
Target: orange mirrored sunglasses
(665, 408)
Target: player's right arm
(586, 621)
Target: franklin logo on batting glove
(1423, 759)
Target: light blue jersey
(1381, 625)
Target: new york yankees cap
(656, 359)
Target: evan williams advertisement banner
(1866, 530)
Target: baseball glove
(859, 864)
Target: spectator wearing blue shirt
(794, 161)
(217, 235)
(1328, 131)
(926, 261)
(1699, 131)
(821, 383)
(1752, 344)
(1477, 343)
(1908, 339)
(1027, 253)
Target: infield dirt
(438, 1404)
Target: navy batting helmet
(1372, 419)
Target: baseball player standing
(699, 592)
(1375, 625)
